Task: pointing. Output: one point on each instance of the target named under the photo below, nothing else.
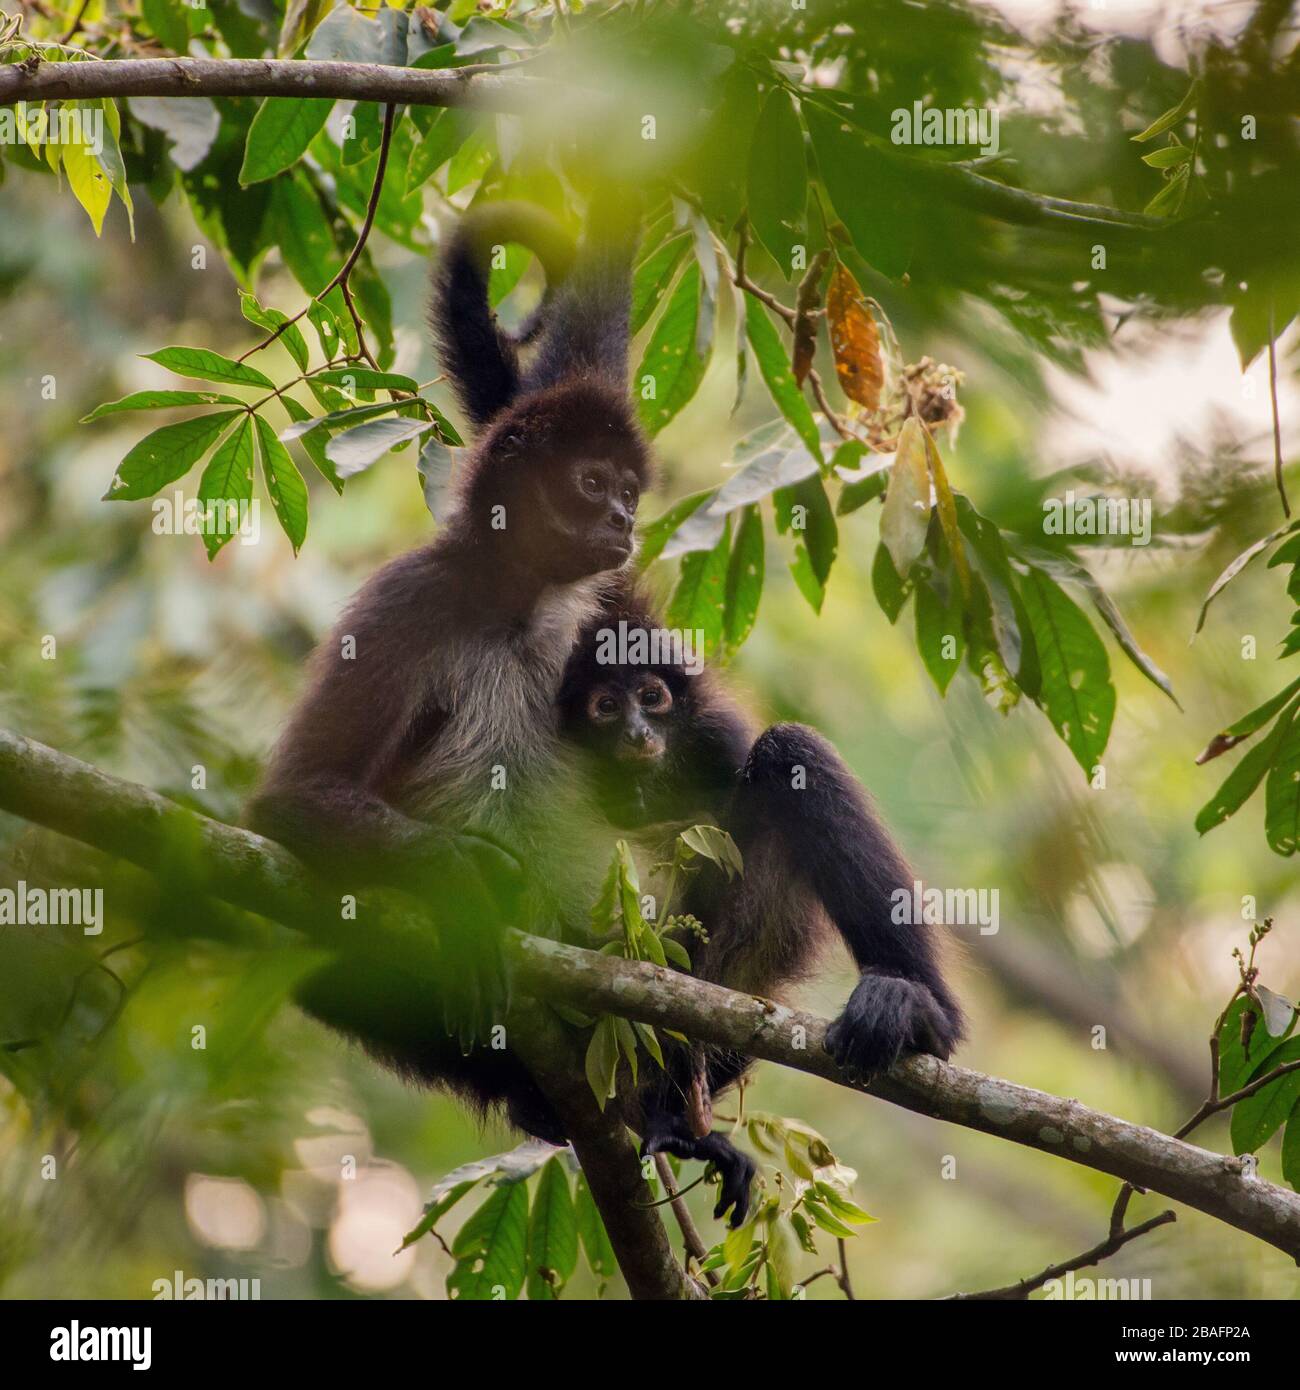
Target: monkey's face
(627, 725)
(629, 719)
(586, 508)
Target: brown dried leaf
(854, 340)
(805, 347)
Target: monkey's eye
(602, 708)
(591, 485)
(656, 697)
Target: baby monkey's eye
(602, 708)
(591, 484)
(656, 697)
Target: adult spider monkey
(427, 735)
(668, 749)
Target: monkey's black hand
(671, 1134)
(885, 1018)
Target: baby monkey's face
(628, 717)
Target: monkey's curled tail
(581, 326)
(481, 358)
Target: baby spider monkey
(666, 748)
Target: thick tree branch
(480, 85)
(51, 789)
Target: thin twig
(1277, 426)
(842, 1278)
(695, 1246)
(76, 22)
(1114, 1242)
(340, 280)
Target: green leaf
(284, 484)
(778, 179)
(699, 600)
(167, 20)
(774, 364)
(744, 579)
(656, 534)
(601, 1063)
(1170, 117)
(766, 459)
(671, 367)
(1291, 1151)
(1076, 692)
(228, 478)
(1236, 1064)
(301, 228)
(863, 482)
(351, 415)
(312, 443)
(997, 609)
(828, 1220)
(592, 1233)
(1239, 564)
(1257, 1118)
(867, 191)
(1241, 782)
(651, 280)
(1168, 158)
(159, 400)
(627, 1042)
(782, 1255)
(271, 319)
(552, 1234)
(471, 160)
(715, 845)
(1248, 724)
(891, 592)
(939, 620)
(905, 520)
(1282, 794)
(354, 450)
(208, 366)
(443, 138)
(805, 510)
(843, 1207)
(280, 133)
(1062, 567)
(353, 379)
(490, 1248)
(165, 455)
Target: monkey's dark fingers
(737, 1171)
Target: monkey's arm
(795, 783)
(364, 713)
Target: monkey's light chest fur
(497, 761)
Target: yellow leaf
(88, 182)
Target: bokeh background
(1113, 911)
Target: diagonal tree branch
(121, 818)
